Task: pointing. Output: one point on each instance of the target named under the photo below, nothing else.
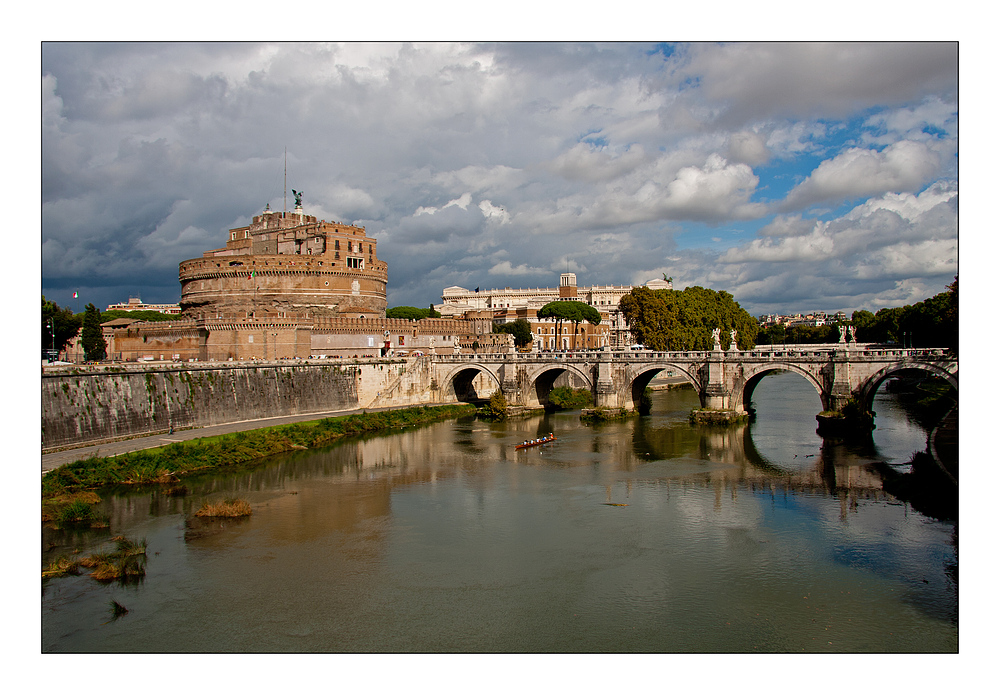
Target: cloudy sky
(796, 176)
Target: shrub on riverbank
(496, 409)
(169, 463)
(566, 398)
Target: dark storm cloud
(495, 164)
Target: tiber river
(642, 536)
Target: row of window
(350, 246)
(336, 243)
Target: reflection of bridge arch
(638, 377)
(866, 392)
(541, 378)
(752, 376)
(459, 382)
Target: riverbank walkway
(63, 456)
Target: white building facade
(457, 301)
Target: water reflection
(644, 535)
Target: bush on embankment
(167, 464)
(568, 398)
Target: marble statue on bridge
(716, 338)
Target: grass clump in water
(117, 610)
(60, 568)
(73, 511)
(228, 509)
(126, 563)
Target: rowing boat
(536, 442)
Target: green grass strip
(226, 451)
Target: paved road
(60, 458)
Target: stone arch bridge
(724, 380)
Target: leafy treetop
(519, 328)
(574, 311)
(63, 321)
(684, 319)
(92, 338)
(411, 313)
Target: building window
(358, 263)
(336, 244)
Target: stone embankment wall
(98, 406)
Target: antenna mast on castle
(284, 208)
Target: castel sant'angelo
(287, 286)
(288, 265)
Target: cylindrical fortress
(289, 264)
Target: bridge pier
(510, 385)
(839, 393)
(715, 395)
(605, 394)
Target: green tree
(568, 398)
(772, 335)
(62, 321)
(519, 328)
(863, 322)
(584, 312)
(573, 311)
(92, 339)
(930, 323)
(684, 319)
(410, 313)
(951, 317)
(812, 334)
(496, 408)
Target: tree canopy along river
(646, 535)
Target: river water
(642, 536)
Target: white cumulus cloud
(902, 166)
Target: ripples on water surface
(647, 535)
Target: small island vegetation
(126, 563)
(228, 508)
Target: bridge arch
(460, 382)
(541, 380)
(742, 395)
(638, 376)
(865, 393)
